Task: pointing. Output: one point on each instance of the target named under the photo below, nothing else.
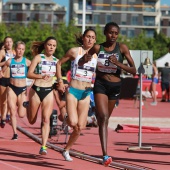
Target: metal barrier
(80, 155)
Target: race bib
(18, 70)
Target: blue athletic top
(18, 70)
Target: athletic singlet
(103, 64)
(46, 67)
(156, 74)
(85, 72)
(7, 56)
(18, 69)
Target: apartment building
(1, 10)
(25, 11)
(165, 20)
(132, 16)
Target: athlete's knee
(72, 123)
(80, 127)
(77, 130)
(102, 118)
(46, 121)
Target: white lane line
(14, 167)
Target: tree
(65, 35)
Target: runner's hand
(113, 59)
(87, 57)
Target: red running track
(23, 153)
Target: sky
(167, 2)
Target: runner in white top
(42, 69)
(78, 93)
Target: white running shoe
(66, 156)
(153, 103)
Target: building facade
(25, 11)
(165, 20)
(132, 16)
(1, 10)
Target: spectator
(155, 81)
(165, 79)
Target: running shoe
(43, 150)
(107, 160)
(66, 156)
(3, 122)
(153, 103)
(15, 137)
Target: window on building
(88, 19)
(124, 5)
(33, 16)
(131, 6)
(149, 6)
(108, 18)
(6, 7)
(80, 4)
(6, 16)
(46, 17)
(100, 5)
(13, 17)
(150, 33)
(28, 16)
(27, 6)
(165, 13)
(134, 20)
(41, 17)
(123, 32)
(123, 19)
(79, 19)
(149, 21)
(114, 3)
(96, 19)
(36, 6)
(123, 23)
(48, 7)
(42, 6)
(131, 33)
(17, 6)
(89, 5)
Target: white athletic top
(85, 72)
(46, 67)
